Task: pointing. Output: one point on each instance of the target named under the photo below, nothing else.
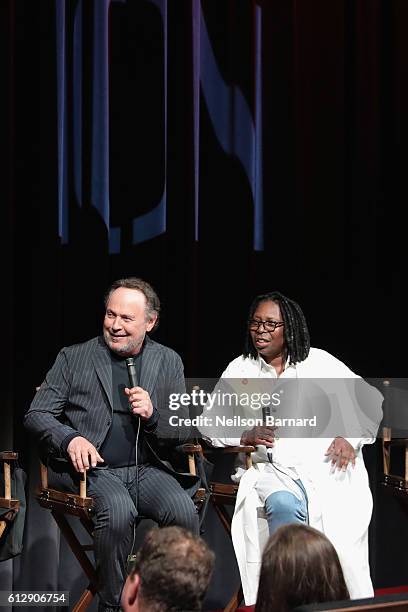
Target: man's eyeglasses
(269, 326)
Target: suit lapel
(103, 367)
(151, 358)
(150, 367)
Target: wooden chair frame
(397, 483)
(7, 502)
(63, 504)
(224, 495)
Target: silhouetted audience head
(299, 566)
(171, 573)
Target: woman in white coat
(321, 481)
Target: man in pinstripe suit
(86, 418)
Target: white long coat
(340, 503)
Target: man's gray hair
(152, 299)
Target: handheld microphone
(131, 368)
(266, 412)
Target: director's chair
(65, 504)
(8, 506)
(223, 494)
(395, 472)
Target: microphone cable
(131, 368)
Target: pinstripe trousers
(120, 497)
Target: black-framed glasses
(269, 326)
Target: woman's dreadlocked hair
(296, 333)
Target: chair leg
(76, 546)
(85, 600)
(88, 525)
(223, 516)
(235, 600)
(225, 519)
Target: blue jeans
(283, 507)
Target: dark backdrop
(218, 149)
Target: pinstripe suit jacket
(76, 397)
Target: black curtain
(218, 150)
